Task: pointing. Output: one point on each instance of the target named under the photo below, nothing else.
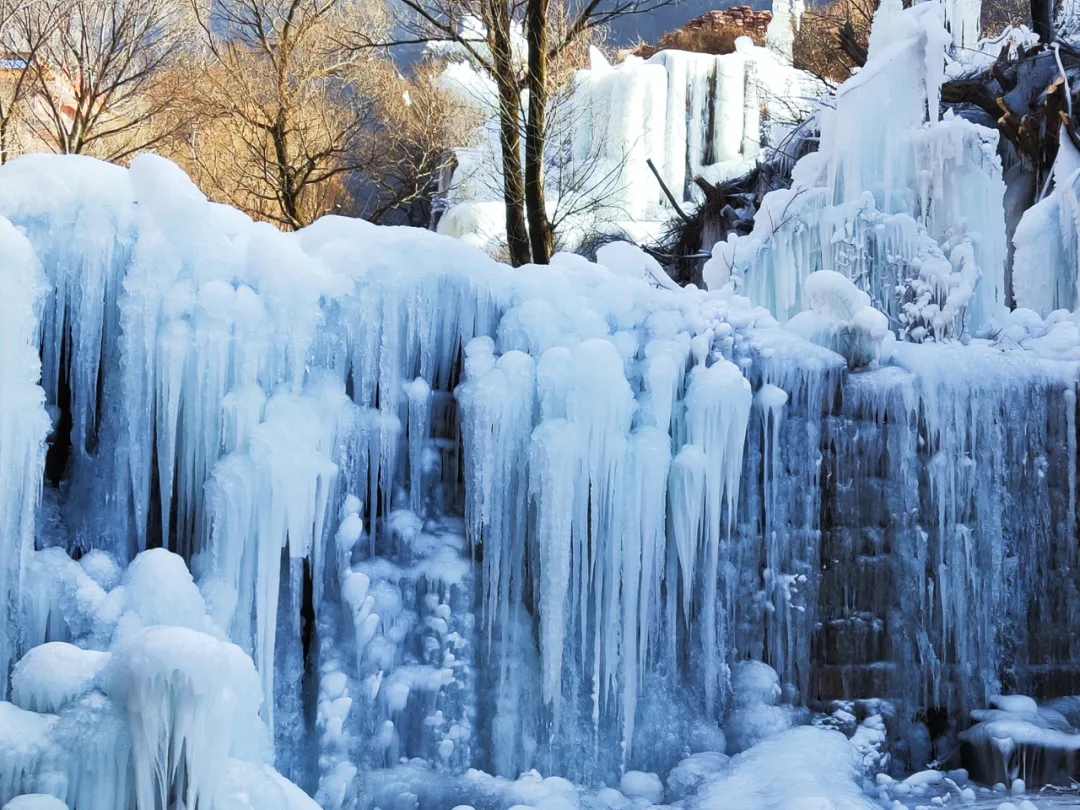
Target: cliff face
(713, 32)
(651, 27)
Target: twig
(667, 191)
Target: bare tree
(291, 101)
(548, 33)
(418, 124)
(97, 69)
(23, 26)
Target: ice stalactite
(79, 322)
(962, 18)
(554, 480)
(23, 428)
(718, 401)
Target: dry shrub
(997, 15)
(817, 43)
(714, 32)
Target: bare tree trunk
(517, 234)
(1042, 12)
(541, 237)
(288, 193)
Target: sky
(627, 30)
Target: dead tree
(95, 67)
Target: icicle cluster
(907, 206)
(239, 385)
(23, 427)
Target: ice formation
(301, 428)
(23, 426)
(691, 114)
(804, 767)
(1047, 241)
(360, 513)
(894, 198)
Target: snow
(687, 777)
(35, 801)
(842, 319)
(639, 785)
(755, 714)
(52, 675)
(802, 768)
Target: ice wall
(301, 417)
(441, 510)
(23, 426)
(706, 118)
(693, 115)
(904, 203)
(951, 485)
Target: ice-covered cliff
(363, 508)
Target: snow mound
(35, 801)
(640, 785)
(1019, 740)
(53, 674)
(804, 768)
(842, 319)
(691, 773)
(755, 714)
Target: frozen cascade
(692, 114)
(1047, 241)
(363, 505)
(306, 455)
(896, 197)
(23, 427)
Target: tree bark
(541, 238)
(517, 234)
(1041, 19)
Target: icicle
(686, 493)
(642, 539)
(554, 479)
(718, 402)
(23, 428)
(418, 393)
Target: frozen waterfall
(360, 512)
